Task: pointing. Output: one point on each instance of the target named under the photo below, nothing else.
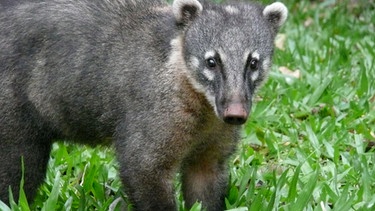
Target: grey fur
(134, 71)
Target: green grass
(307, 145)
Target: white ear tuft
(186, 10)
(276, 13)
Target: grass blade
(51, 203)
(306, 193)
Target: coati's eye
(211, 63)
(253, 64)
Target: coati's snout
(235, 114)
(233, 110)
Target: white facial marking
(209, 54)
(209, 74)
(255, 55)
(211, 101)
(254, 76)
(162, 9)
(212, 13)
(194, 61)
(231, 10)
(223, 56)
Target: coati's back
(75, 61)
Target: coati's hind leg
(205, 177)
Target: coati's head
(228, 50)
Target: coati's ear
(276, 14)
(186, 11)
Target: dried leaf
(286, 71)
(280, 41)
(308, 22)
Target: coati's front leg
(149, 163)
(205, 176)
(148, 188)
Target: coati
(170, 84)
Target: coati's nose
(235, 114)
